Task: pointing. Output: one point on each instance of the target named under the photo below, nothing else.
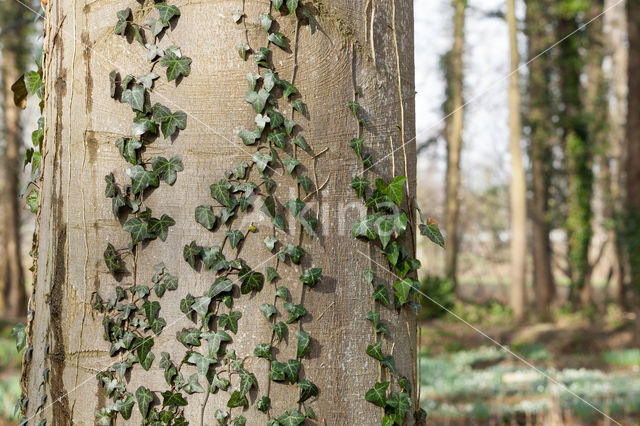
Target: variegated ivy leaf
(153, 51)
(230, 321)
(291, 418)
(235, 237)
(167, 170)
(142, 125)
(295, 311)
(237, 15)
(262, 57)
(262, 160)
(167, 11)
(290, 164)
(268, 310)
(249, 137)
(144, 397)
(147, 79)
(272, 274)
(156, 26)
(257, 99)
(261, 121)
(205, 217)
(123, 17)
(215, 340)
(298, 106)
(295, 206)
(253, 78)
(243, 49)
(277, 4)
(270, 242)
(311, 276)
(278, 40)
(263, 350)
(265, 21)
(237, 400)
(301, 142)
(128, 148)
(177, 66)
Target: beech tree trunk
(453, 127)
(375, 40)
(518, 187)
(13, 300)
(539, 113)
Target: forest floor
(569, 369)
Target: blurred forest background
(528, 133)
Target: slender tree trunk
(632, 238)
(616, 23)
(539, 114)
(518, 186)
(454, 126)
(13, 302)
(76, 222)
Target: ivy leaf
(235, 237)
(176, 65)
(134, 97)
(112, 259)
(191, 252)
(167, 12)
(257, 100)
(247, 381)
(389, 362)
(290, 164)
(220, 286)
(19, 334)
(292, 5)
(265, 21)
(237, 15)
(263, 404)
(312, 20)
(251, 280)
(291, 369)
(299, 140)
(288, 89)
(364, 228)
(193, 385)
(243, 49)
(205, 217)
(295, 311)
(261, 121)
(385, 229)
(360, 185)
(277, 4)
(431, 231)
(169, 121)
(272, 274)
(297, 105)
(268, 310)
(237, 400)
(282, 293)
(262, 160)
(230, 321)
(144, 397)
(278, 40)
(295, 206)
(138, 230)
(369, 274)
(382, 295)
(218, 383)
(253, 78)
(124, 407)
(375, 351)
(378, 394)
(403, 289)
(279, 139)
(303, 343)
(263, 350)
(270, 242)
(262, 57)
(291, 418)
(281, 329)
(141, 179)
(147, 79)
(160, 227)
(395, 189)
(142, 125)
(215, 340)
(307, 390)
(289, 125)
(249, 137)
(123, 17)
(201, 306)
(277, 119)
(220, 192)
(171, 399)
(305, 182)
(128, 149)
(189, 336)
(145, 357)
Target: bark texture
(454, 124)
(76, 220)
(518, 187)
(13, 301)
(538, 116)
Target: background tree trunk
(518, 187)
(13, 301)
(540, 111)
(76, 222)
(453, 131)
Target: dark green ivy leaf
(295, 311)
(138, 230)
(277, 4)
(205, 217)
(290, 164)
(291, 418)
(169, 121)
(167, 11)
(356, 144)
(176, 65)
(230, 321)
(141, 179)
(375, 351)
(307, 390)
(389, 362)
(378, 395)
(281, 329)
(262, 57)
(360, 185)
(112, 259)
(191, 252)
(306, 183)
(173, 399)
(237, 400)
(303, 343)
(263, 404)
(263, 350)
(144, 397)
(299, 140)
(235, 236)
(311, 276)
(251, 280)
(128, 148)
(160, 227)
(272, 274)
(220, 192)
(189, 337)
(278, 40)
(297, 105)
(295, 206)
(382, 295)
(432, 232)
(134, 97)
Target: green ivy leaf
(249, 137)
(134, 97)
(289, 125)
(360, 185)
(375, 351)
(167, 11)
(356, 144)
(292, 5)
(220, 192)
(262, 160)
(230, 321)
(295, 206)
(235, 237)
(389, 362)
(278, 40)
(307, 390)
(123, 17)
(299, 140)
(263, 404)
(218, 383)
(142, 125)
(205, 217)
(279, 138)
(263, 350)
(189, 336)
(128, 148)
(220, 286)
(145, 357)
(395, 189)
(160, 227)
(403, 289)
(138, 230)
(20, 336)
(191, 252)
(378, 394)
(385, 231)
(288, 89)
(364, 228)
(169, 121)
(262, 57)
(369, 275)
(382, 295)
(201, 306)
(306, 183)
(291, 418)
(291, 369)
(311, 276)
(270, 242)
(276, 119)
(290, 164)
(144, 397)
(268, 310)
(243, 49)
(298, 106)
(272, 274)
(237, 400)
(124, 407)
(303, 343)
(295, 311)
(277, 4)
(281, 329)
(141, 179)
(251, 280)
(170, 399)
(176, 65)
(112, 259)
(432, 232)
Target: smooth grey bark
(373, 38)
